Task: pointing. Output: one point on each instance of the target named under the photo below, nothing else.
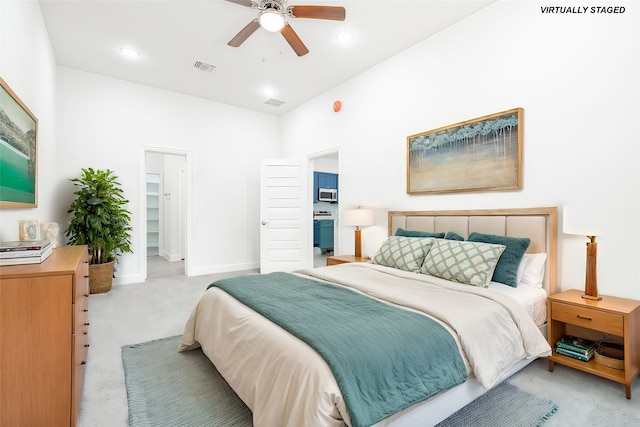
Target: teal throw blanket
(383, 358)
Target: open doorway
(325, 170)
(166, 189)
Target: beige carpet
(160, 307)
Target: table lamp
(360, 218)
(581, 223)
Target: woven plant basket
(611, 355)
(100, 277)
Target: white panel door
(284, 215)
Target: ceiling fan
(272, 17)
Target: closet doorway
(166, 188)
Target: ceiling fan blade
(244, 33)
(335, 13)
(293, 39)
(247, 3)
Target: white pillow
(531, 270)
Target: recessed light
(129, 52)
(268, 92)
(345, 36)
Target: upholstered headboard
(538, 224)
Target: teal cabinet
(323, 233)
(316, 233)
(323, 180)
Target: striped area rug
(169, 389)
(504, 406)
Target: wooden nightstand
(341, 259)
(619, 317)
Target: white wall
(103, 123)
(28, 66)
(87, 120)
(576, 78)
(326, 164)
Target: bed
(288, 379)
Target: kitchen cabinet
(323, 180)
(323, 234)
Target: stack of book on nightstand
(578, 348)
(32, 252)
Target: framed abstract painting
(483, 154)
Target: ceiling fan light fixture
(271, 20)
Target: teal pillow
(453, 236)
(415, 233)
(507, 268)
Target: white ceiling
(172, 35)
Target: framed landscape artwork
(18, 152)
(477, 155)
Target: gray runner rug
(170, 389)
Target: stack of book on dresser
(578, 348)
(31, 252)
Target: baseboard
(215, 269)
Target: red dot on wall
(337, 106)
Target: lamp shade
(582, 221)
(357, 217)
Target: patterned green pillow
(471, 263)
(404, 253)
(507, 268)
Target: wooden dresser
(44, 339)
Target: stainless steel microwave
(327, 195)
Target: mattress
(532, 299)
(286, 383)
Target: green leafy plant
(98, 216)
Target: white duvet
(286, 383)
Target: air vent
(203, 66)
(274, 102)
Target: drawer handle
(85, 310)
(86, 324)
(84, 362)
(584, 317)
(86, 345)
(86, 276)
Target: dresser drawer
(588, 318)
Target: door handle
(265, 222)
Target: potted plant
(100, 221)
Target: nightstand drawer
(588, 318)
(342, 259)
